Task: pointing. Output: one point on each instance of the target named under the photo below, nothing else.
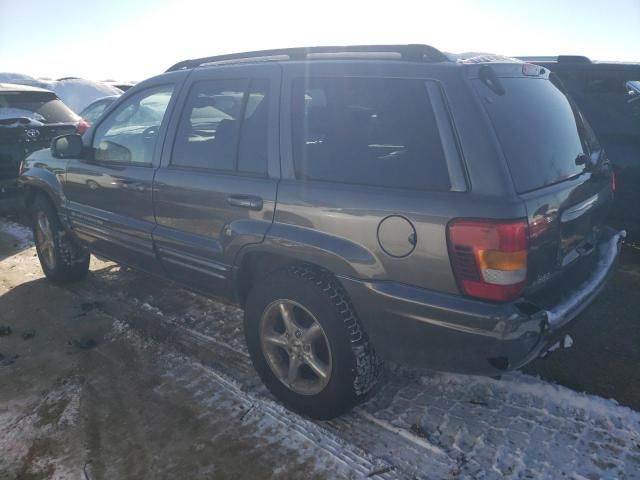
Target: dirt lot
(126, 376)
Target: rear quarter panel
(350, 214)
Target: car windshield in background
(538, 129)
(43, 107)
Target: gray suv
(359, 203)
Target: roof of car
(14, 87)
(411, 52)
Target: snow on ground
(21, 235)
(464, 426)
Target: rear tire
(333, 371)
(61, 258)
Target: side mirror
(67, 146)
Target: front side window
(93, 112)
(224, 127)
(130, 133)
(368, 131)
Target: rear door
(216, 188)
(556, 163)
(370, 164)
(109, 191)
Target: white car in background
(76, 93)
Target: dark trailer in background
(609, 96)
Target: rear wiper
(491, 80)
(582, 159)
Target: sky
(135, 39)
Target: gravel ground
(124, 376)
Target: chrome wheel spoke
(293, 374)
(286, 311)
(276, 340)
(312, 333)
(44, 238)
(43, 225)
(318, 366)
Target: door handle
(130, 185)
(245, 201)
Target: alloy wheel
(296, 347)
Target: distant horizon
(133, 41)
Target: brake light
(82, 126)
(613, 180)
(532, 70)
(489, 257)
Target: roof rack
(411, 52)
(559, 59)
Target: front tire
(61, 258)
(306, 343)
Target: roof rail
(558, 59)
(573, 59)
(411, 52)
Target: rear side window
(369, 131)
(224, 127)
(43, 107)
(538, 129)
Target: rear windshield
(538, 128)
(43, 107)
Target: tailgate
(17, 141)
(558, 168)
(565, 224)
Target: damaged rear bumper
(453, 333)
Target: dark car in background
(357, 202)
(30, 118)
(94, 110)
(609, 96)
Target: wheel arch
(290, 244)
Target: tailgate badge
(32, 133)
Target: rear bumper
(453, 333)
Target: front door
(109, 192)
(216, 189)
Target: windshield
(542, 134)
(43, 107)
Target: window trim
(452, 143)
(245, 101)
(95, 128)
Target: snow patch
(21, 234)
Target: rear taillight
(489, 257)
(82, 126)
(613, 180)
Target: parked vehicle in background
(78, 93)
(94, 110)
(124, 86)
(609, 96)
(358, 203)
(30, 118)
